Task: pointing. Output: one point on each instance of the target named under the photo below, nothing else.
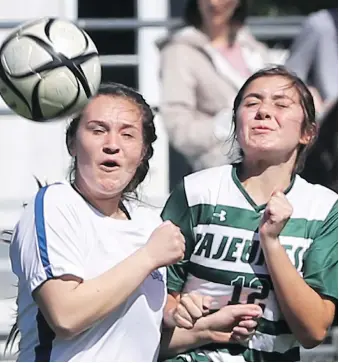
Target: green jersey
(224, 258)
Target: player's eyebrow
(261, 97)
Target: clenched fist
(277, 213)
(232, 323)
(166, 245)
(190, 308)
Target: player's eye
(250, 104)
(98, 130)
(282, 105)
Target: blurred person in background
(203, 65)
(314, 53)
(314, 58)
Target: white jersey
(60, 233)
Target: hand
(165, 246)
(190, 308)
(277, 213)
(232, 323)
(244, 331)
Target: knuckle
(185, 298)
(176, 228)
(176, 234)
(180, 312)
(197, 298)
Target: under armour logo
(221, 215)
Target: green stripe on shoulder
(249, 220)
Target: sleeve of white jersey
(48, 240)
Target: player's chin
(112, 186)
(263, 148)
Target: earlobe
(306, 139)
(308, 136)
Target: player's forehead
(112, 109)
(272, 86)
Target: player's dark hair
(306, 101)
(148, 129)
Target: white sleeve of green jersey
(178, 212)
(320, 268)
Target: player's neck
(107, 206)
(260, 180)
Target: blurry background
(125, 32)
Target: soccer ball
(49, 68)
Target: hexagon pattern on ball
(49, 68)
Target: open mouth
(109, 165)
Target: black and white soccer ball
(49, 68)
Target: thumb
(246, 311)
(168, 318)
(277, 191)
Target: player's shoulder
(48, 198)
(203, 187)
(144, 211)
(57, 194)
(318, 192)
(210, 176)
(314, 198)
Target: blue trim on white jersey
(41, 231)
(46, 335)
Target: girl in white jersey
(90, 258)
(256, 232)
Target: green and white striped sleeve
(321, 260)
(177, 210)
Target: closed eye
(98, 130)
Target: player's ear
(71, 149)
(70, 136)
(70, 146)
(308, 135)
